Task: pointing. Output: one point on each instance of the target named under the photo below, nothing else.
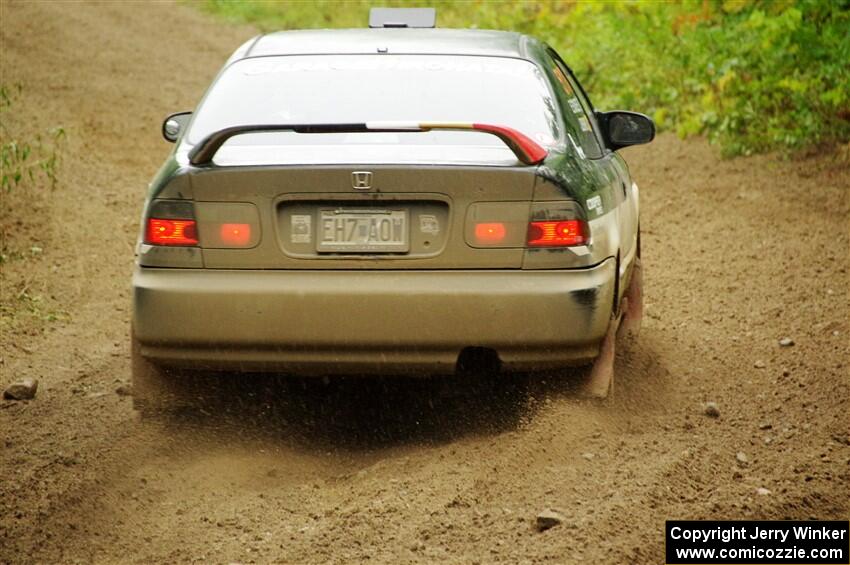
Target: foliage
(752, 75)
(29, 162)
(22, 160)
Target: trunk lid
(367, 217)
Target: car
(399, 199)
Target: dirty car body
(387, 201)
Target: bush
(752, 75)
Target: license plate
(358, 231)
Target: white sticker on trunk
(300, 228)
(595, 204)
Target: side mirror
(174, 125)
(622, 129)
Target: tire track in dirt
(415, 471)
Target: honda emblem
(361, 180)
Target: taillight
(171, 232)
(490, 233)
(559, 233)
(236, 235)
(171, 222)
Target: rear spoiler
(526, 149)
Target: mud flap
(600, 382)
(632, 309)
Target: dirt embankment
(738, 254)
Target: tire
(157, 390)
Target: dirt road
(738, 254)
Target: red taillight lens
(490, 233)
(171, 232)
(557, 234)
(235, 234)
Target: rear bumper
(370, 321)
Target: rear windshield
(360, 88)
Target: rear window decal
(559, 74)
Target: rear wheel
(156, 389)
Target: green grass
(752, 75)
(24, 159)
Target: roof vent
(402, 17)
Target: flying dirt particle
(711, 410)
(759, 364)
(588, 455)
(786, 342)
(23, 389)
(761, 491)
(765, 426)
(742, 458)
(548, 519)
(124, 390)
